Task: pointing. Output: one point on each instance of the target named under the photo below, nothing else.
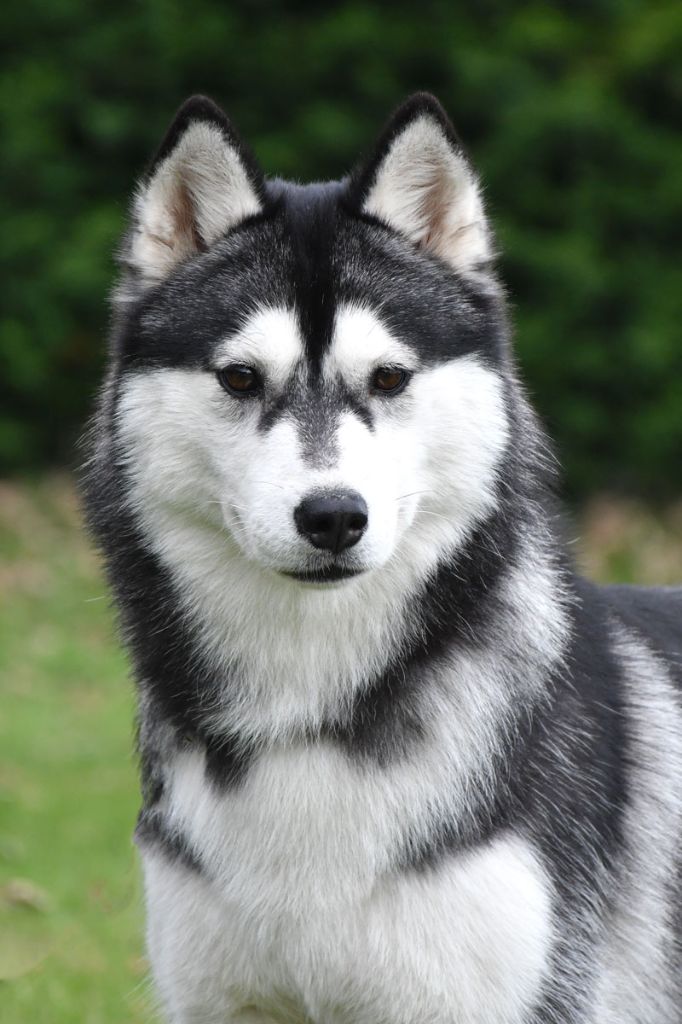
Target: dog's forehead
(323, 315)
(313, 228)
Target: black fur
(152, 829)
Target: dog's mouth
(326, 574)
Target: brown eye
(388, 380)
(240, 380)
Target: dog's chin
(324, 576)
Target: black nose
(333, 522)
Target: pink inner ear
(434, 210)
(183, 213)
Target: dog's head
(310, 376)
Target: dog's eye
(388, 380)
(240, 380)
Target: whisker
(411, 494)
(270, 483)
(437, 515)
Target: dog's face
(311, 376)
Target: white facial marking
(362, 343)
(216, 494)
(433, 449)
(270, 340)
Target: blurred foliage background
(568, 109)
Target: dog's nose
(332, 522)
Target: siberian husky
(400, 764)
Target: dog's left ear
(421, 184)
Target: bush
(567, 109)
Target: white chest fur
(305, 917)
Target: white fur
(361, 344)
(270, 341)
(303, 906)
(426, 189)
(201, 188)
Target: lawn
(70, 925)
(70, 896)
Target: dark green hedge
(567, 107)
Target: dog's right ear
(202, 182)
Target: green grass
(70, 917)
(70, 897)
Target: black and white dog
(400, 764)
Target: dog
(400, 763)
